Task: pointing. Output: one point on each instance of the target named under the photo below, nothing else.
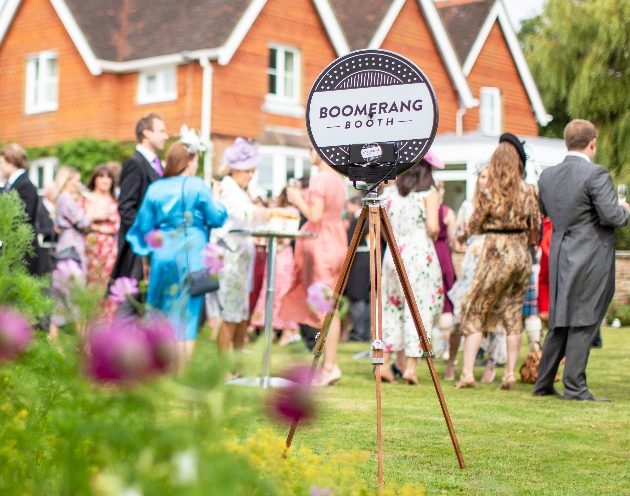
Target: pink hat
(433, 160)
(242, 155)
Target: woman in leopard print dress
(507, 212)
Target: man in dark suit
(13, 165)
(579, 197)
(137, 173)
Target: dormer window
(491, 112)
(157, 85)
(42, 83)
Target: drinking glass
(622, 193)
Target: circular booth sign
(372, 107)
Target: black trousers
(574, 343)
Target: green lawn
(512, 443)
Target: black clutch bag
(201, 282)
(67, 254)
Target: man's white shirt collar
(148, 154)
(578, 154)
(14, 175)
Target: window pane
(151, 84)
(290, 167)
(288, 87)
(265, 172)
(50, 89)
(36, 80)
(288, 62)
(169, 81)
(51, 67)
(272, 84)
(273, 58)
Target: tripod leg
(415, 314)
(339, 288)
(377, 328)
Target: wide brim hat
(433, 160)
(242, 155)
(516, 143)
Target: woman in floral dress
(101, 246)
(412, 206)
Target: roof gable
(463, 20)
(360, 28)
(127, 35)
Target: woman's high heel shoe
(411, 379)
(508, 382)
(465, 382)
(327, 378)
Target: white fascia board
(448, 53)
(333, 28)
(77, 36)
(243, 26)
(498, 12)
(387, 23)
(6, 17)
(159, 61)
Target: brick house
(230, 68)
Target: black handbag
(200, 281)
(67, 254)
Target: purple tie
(158, 166)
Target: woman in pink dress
(319, 259)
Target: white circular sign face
(369, 97)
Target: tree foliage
(579, 53)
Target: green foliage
(17, 288)
(579, 53)
(85, 153)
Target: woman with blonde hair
(507, 211)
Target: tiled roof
(463, 20)
(120, 30)
(360, 19)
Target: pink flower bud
(120, 353)
(296, 401)
(15, 334)
(123, 287)
(319, 297)
(155, 239)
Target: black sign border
(401, 166)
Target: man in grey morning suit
(579, 198)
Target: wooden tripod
(374, 209)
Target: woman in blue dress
(177, 213)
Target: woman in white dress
(412, 206)
(231, 301)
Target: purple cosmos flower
(155, 238)
(161, 338)
(120, 353)
(123, 287)
(320, 297)
(213, 258)
(320, 491)
(15, 334)
(66, 274)
(296, 401)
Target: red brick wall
(410, 36)
(240, 87)
(495, 67)
(36, 27)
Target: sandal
(465, 382)
(508, 382)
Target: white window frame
(280, 74)
(162, 94)
(279, 155)
(37, 82)
(490, 119)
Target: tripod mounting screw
(377, 344)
